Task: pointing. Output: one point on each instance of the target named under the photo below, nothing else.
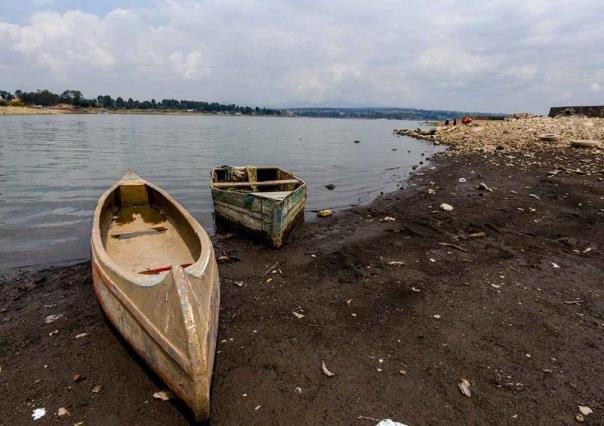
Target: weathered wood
(270, 216)
(169, 317)
(261, 183)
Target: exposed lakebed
(53, 168)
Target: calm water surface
(53, 168)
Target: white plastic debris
(298, 315)
(79, 336)
(585, 410)
(388, 422)
(326, 371)
(555, 265)
(52, 318)
(396, 263)
(462, 180)
(446, 207)
(38, 413)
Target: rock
(63, 412)
(164, 395)
(357, 141)
(585, 143)
(585, 410)
(330, 186)
(579, 417)
(446, 207)
(325, 213)
(464, 388)
(549, 137)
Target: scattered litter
(436, 316)
(325, 213)
(388, 422)
(402, 371)
(298, 389)
(164, 395)
(396, 263)
(585, 143)
(580, 418)
(480, 234)
(555, 265)
(349, 301)
(388, 219)
(62, 412)
(257, 407)
(326, 371)
(432, 260)
(484, 187)
(497, 286)
(574, 302)
(52, 333)
(269, 280)
(549, 137)
(464, 388)
(417, 290)
(79, 336)
(78, 377)
(97, 389)
(238, 283)
(462, 180)
(431, 191)
(446, 207)
(38, 413)
(454, 246)
(535, 196)
(297, 315)
(227, 259)
(52, 318)
(585, 410)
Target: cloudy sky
(496, 55)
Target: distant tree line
(74, 97)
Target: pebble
(446, 207)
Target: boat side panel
(286, 217)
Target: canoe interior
(144, 233)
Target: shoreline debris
(326, 370)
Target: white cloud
(501, 55)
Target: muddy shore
(504, 291)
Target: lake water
(53, 168)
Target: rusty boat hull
(267, 205)
(156, 279)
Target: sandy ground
(504, 291)
(12, 110)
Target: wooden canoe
(264, 202)
(156, 278)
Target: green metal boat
(264, 202)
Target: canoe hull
(264, 219)
(170, 319)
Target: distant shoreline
(27, 110)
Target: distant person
(455, 121)
(446, 122)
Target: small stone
(464, 388)
(330, 186)
(164, 395)
(62, 412)
(585, 410)
(446, 207)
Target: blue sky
(497, 55)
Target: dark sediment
(517, 312)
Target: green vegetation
(75, 98)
